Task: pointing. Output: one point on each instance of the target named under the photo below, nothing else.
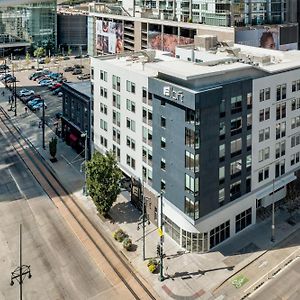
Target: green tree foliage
(292, 197)
(53, 147)
(47, 60)
(39, 52)
(103, 176)
(69, 51)
(27, 58)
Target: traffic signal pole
(161, 267)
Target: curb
(255, 259)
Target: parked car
(69, 69)
(32, 97)
(39, 77)
(45, 82)
(59, 94)
(33, 102)
(11, 79)
(84, 76)
(26, 93)
(55, 86)
(41, 61)
(35, 74)
(38, 106)
(78, 56)
(77, 71)
(78, 66)
(56, 91)
(66, 57)
(3, 76)
(55, 75)
(43, 78)
(4, 68)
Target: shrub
(152, 268)
(119, 235)
(127, 243)
(152, 265)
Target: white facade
(283, 69)
(128, 110)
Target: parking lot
(54, 103)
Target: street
(61, 267)
(284, 286)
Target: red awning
(73, 138)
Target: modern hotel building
(212, 130)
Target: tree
(38, 53)
(103, 176)
(69, 51)
(47, 60)
(291, 197)
(53, 148)
(27, 58)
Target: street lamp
(161, 234)
(21, 271)
(14, 89)
(273, 214)
(43, 123)
(85, 136)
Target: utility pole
(5, 72)
(161, 233)
(14, 89)
(43, 124)
(20, 272)
(85, 160)
(15, 94)
(273, 214)
(143, 219)
(144, 226)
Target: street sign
(160, 232)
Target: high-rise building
(144, 31)
(222, 12)
(217, 132)
(28, 22)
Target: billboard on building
(278, 37)
(167, 42)
(109, 36)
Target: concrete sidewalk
(191, 275)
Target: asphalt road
(61, 267)
(284, 286)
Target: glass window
(236, 146)
(221, 173)
(221, 151)
(221, 195)
(243, 220)
(236, 167)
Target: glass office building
(31, 21)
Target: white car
(26, 93)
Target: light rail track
(80, 223)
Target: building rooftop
(82, 87)
(213, 62)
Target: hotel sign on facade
(171, 93)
